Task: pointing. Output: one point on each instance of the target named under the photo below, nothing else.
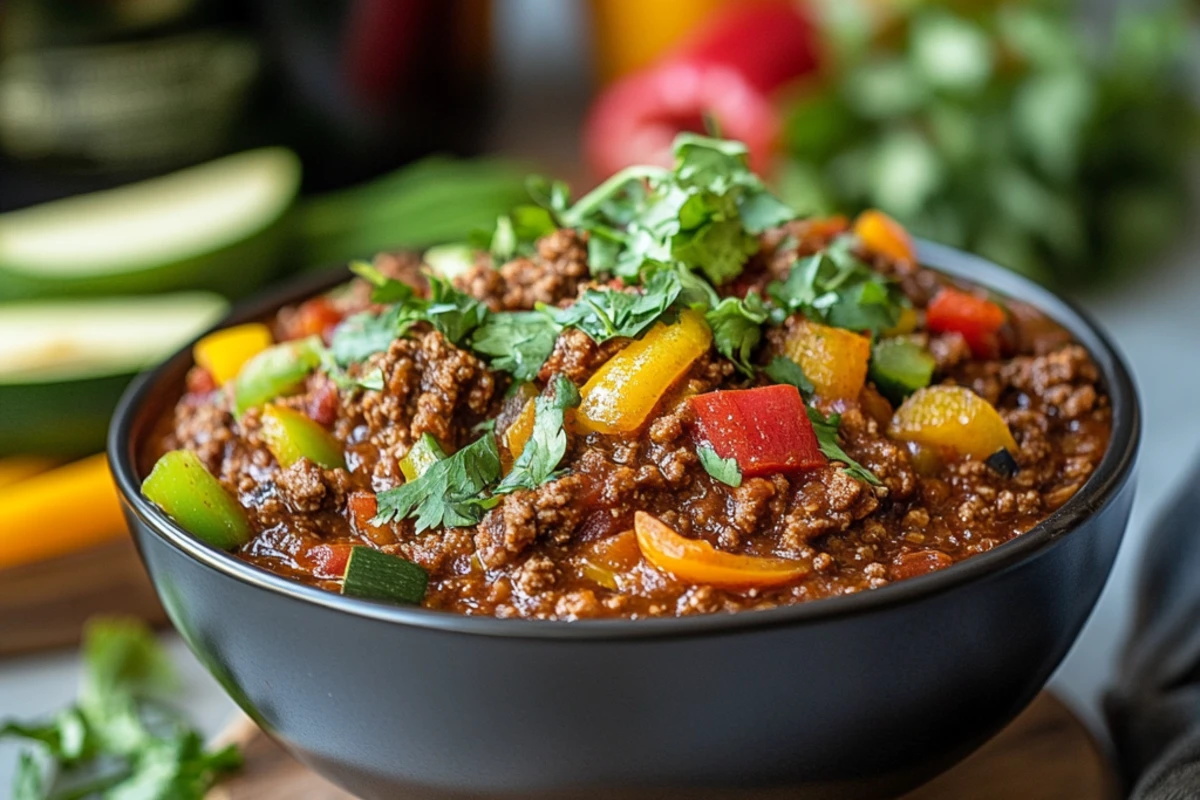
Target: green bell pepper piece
(423, 455)
(899, 367)
(290, 436)
(276, 371)
(180, 485)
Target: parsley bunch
(120, 739)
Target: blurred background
(160, 159)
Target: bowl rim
(130, 426)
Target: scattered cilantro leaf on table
(120, 740)
(450, 493)
(548, 443)
(826, 429)
(724, 470)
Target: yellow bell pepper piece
(834, 359)
(17, 468)
(883, 236)
(906, 324)
(698, 562)
(57, 512)
(224, 352)
(516, 435)
(623, 392)
(952, 418)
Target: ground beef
(554, 274)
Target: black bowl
(856, 696)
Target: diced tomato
(329, 560)
(363, 507)
(765, 430)
(200, 381)
(322, 404)
(316, 317)
(978, 320)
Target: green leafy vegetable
(450, 493)
(455, 314)
(723, 469)
(826, 429)
(364, 334)
(607, 314)
(783, 370)
(548, 443)
(121, 740)
(737, 328)
(837, 289)
(384, 289)
(517, 342)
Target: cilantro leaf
(826, 429)
(548, 443)
(385, 289)
(609, 313)
(455, 314)
(362, 335)
(517, 342)
(783, 370)
(837, 289)
(449, 494)
(723, 469)
(737, 328)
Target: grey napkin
(1153, 709)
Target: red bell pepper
(765, 430)
(329, 560)
(977, 319)
(728, 72)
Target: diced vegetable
(59, 511)
(363, 507)
(223, 353)
(516, 436)
(978, 320)
(379, 576)
(899, 367)
(698, 562)
(908, 322)
(833, 359)
(329, 560)
(765, 430)
(882, 235)
(183, 487)
(274, 372)
(952, 418)
(421, 456)
(290, 436)
(622, 394)
(315, 317)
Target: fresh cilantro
(450, 494)
(737, 328)
(120, 739)
(516, 233)
(783, 370)
(517, 342)
(836, 288)
(384, 289)
(723, 469)
(704, 214)
(364, 334)
(826, 429)
(455, 314)
(605, 314)
(547, 444)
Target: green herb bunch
(121, 740)
(1005, 128)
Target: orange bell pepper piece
(622, 394)
(516, 435)
(698, 562)
(882, 235)
(834, 359)
(224, 352)
(952, 418)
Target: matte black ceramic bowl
(855, 696)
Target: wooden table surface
(1045, 754)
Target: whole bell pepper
(624, 391)
(274, 372)
(698, 562)
(183, 487)
(291, 436)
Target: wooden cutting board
(1045, 754)
(46, 604)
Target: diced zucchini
(376, 575)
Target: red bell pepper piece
(728, 72)
(977, 319)
(329, 560)
(765, 430)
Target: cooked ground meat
(565, 549)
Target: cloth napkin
(1153, 709)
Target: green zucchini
(65, 363)
(899, 367)
(220, 226)
(379, 576)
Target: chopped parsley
(548, 443)
(450, 493)
(120, 739)
(723, 469)
(826, 429)
(783, 370)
